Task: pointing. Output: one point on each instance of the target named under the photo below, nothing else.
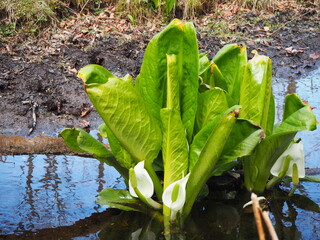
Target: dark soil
(44, 71)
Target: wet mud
(44, 73)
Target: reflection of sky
(45, 191)
(308, 88)
(308, 221)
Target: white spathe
(178, 204)
(295, 150)
(144, 181)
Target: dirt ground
(42, 72)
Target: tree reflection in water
(49, 191)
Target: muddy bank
(44, 71)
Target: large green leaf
(256, 93)
(231, 60)
(204, 63)
(258, 165)
(80, 141)
(122, 155)
(173, 91)
(211, 103)
(201, 139)
(245, 137)
(121, 199)
(210, 151)
(123, 112)
(297, 116)
(212, 77)
(179, 39)
(174, 147)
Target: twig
(34, 106)
(271, 230)
(84, 5)
(34, 117)
(257, 216)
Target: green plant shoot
(186, 118)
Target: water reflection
(48, 191)
(39, 192)
(308, 88)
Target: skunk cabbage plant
(185, 119)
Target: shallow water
(308, 88)
(49, 191)
(39, 192)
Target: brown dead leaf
(72, 70)
(107, 29)
(291, 50)
(84, 124)
(314, 56)
(265, 42)
(294, 66)
(233, 27)
(153, 28)
(86, 111)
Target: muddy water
(45, 192)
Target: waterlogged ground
(53, 197)
(43, 71)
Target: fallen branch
(18, 145)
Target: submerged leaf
(305, 203)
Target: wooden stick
(257, 216)
(272, 231)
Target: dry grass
(30, 12)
